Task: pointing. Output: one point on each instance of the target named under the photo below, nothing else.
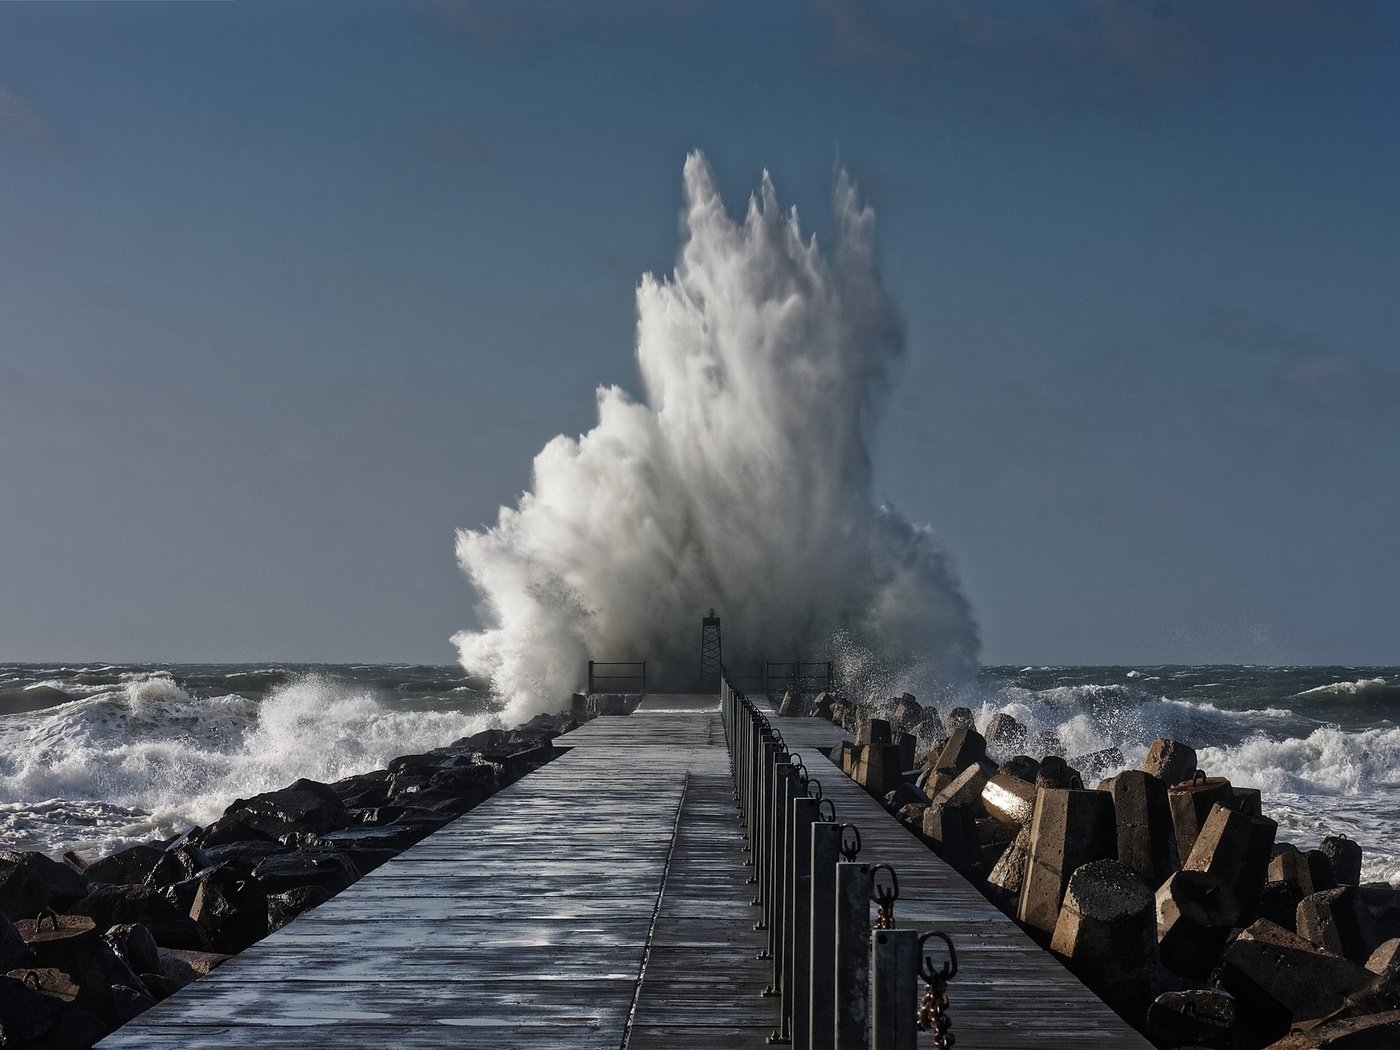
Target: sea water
(142, 752)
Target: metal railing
(802, 677)
(598, 674)
(842, 981)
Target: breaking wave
(742, 481)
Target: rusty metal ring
(47, 913)
(1076, 782)
(1198, 777)
(829, 805)
(948, 970)
(850, 849)
(32, 979)
(880, 894)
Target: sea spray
(742, 481)
(143, 756)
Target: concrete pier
(602, 902)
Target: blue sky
(289, 291)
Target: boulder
(130, 1002)
(1339, 922)
(332, 871)
(182, 967)
(30, 882)
(304, 806)
(1278, 902)
(180, 862)
(283, 907)
(27, 1015)
(1069, 828)
(133, 944)
(1279, 979)
(1170, 761)
(131, 866)
(1203, 1017)
(117, 905)
(231, 908)
(1373, 1032)
(14, 953)
(1236, 848)
(1106, 929)
(228, 830)
(1195, 914)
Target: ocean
(121, 754)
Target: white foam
(144, 758)
(1360, 687)
(741, 482)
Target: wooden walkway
(600, 902)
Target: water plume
(742, 481)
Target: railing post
(826, 852)
(894, 981)
(797, 919)
(855, 883)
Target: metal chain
(934, 1017)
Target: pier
(605, 901)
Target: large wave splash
(742, 481)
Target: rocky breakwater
(85, 947)
(1164, 888)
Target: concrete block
(1146, 836)
(907, 742)
(1191, 802)
(873, 731)
(1338, 921)
(850, 755)
(953, 832)
(1095, 764)
(1278, 902)
(1107, 930)
(879, 770)
(1170, 761)
(1005, 735)
(1203, 1017)
(1288, 864)
(1385, 960)
(965, 789)
(964, 748)
(1047, 742)
(1279, 979)
(1195, 914)
(1320, 866)
(1069, 828)
(1249, 801)
(1022, 767)
(1056, 773)
(1004, 881)
(1009, 799)
(1236, 848)
(1378, 1031)
(1345, 856)
(960, 718)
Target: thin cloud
(512, 24)
(26, 124)
(455, 143)
(1138, 49)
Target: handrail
(594, 677)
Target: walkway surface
(600, 902)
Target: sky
(289, 291)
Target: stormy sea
(98, 757)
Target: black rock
(130, 866)
(246, 855)
(304, 806)
(231, 907)
(14, 953)
(282, 908)
(330, 871)
(26, 1015)
(116, 905)
(230, 829)
(31, 882)
(131, 1002)
(133, 944)
(180, 862)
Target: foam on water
(144, 757)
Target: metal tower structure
(710, 662)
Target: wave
(146, 757)
(1365, 688)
